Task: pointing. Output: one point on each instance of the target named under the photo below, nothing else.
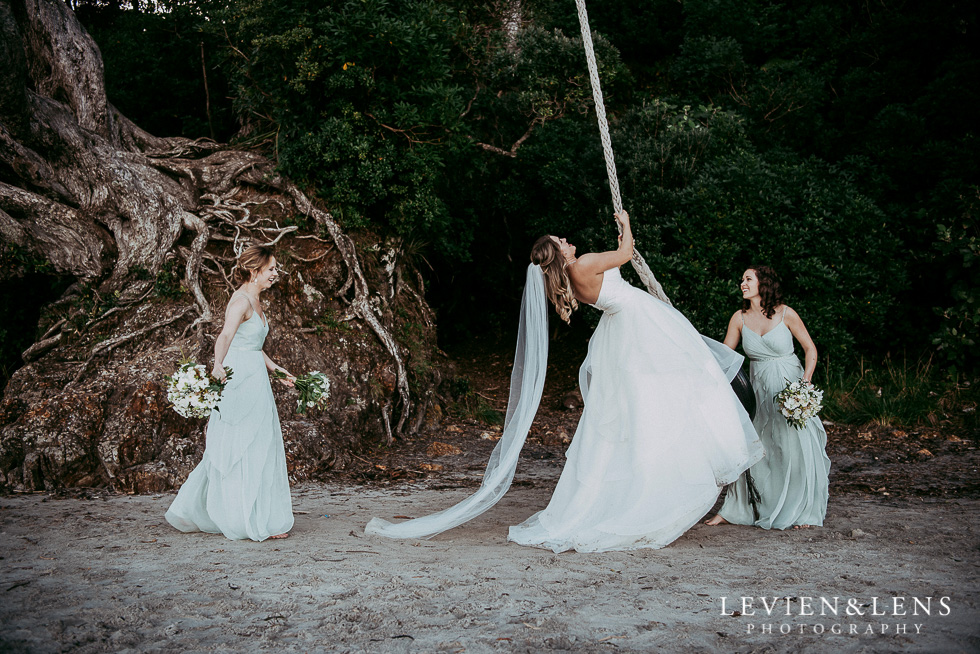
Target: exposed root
(119, 308)
(282, 231)
(107, 346)
(386, 418)
(38, 349)
(192, 270)
(186, 149)
(316, 258)
(53, 328)
(360, 304)
(220, 270)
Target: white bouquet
(799, 402)
(314, 390)
(193, 391)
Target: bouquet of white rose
(193, 391)
(799, 402)
(314, 390)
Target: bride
(661, 432)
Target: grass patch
(900, 393)
(466, 403)
(330, 321)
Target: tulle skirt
(240, 488)
(660, 434)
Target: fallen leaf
(442, 449)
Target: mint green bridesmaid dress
(792, 479)
(240, 488)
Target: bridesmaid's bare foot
(715, 521)
(286, 535)
(801, 526)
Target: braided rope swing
(639, 264)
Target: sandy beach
(106, 573)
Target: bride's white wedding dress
(661, 432)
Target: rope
(639, 264)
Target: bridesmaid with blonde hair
(241, 488)
(792, 480)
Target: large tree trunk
(88, 195)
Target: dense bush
(826, 138)
(705, 205)
(959, 249)
(162, 68)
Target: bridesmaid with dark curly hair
(789, 487)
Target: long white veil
(526, 385)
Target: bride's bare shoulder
(592, 264)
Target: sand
(108, 574)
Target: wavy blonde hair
(557, 286)
(252, 260)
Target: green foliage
(959, 255)
(330, 321)
(706, 205)
(827, 139)
(645, 33)
(91, 304)
(170, 281)
(162, 65)
(18, 261)
(361, 99)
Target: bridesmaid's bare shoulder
(238, 306)
(790, 316)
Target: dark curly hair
(770, 291)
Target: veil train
(526, 386)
